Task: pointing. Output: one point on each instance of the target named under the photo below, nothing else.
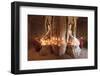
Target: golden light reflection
(52, 41)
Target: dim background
(5, 38)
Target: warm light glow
(59, 41)
(52, 41)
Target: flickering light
(52, 41)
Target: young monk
(74, 42)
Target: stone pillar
(73, 22)
(75, 26)
(62, 47)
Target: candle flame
(52, 41)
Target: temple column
(75, 26)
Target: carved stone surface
(69, 51)
(36, 45)
(45, 50)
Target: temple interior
(57, 37)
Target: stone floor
(84, 53)
(34, 55)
